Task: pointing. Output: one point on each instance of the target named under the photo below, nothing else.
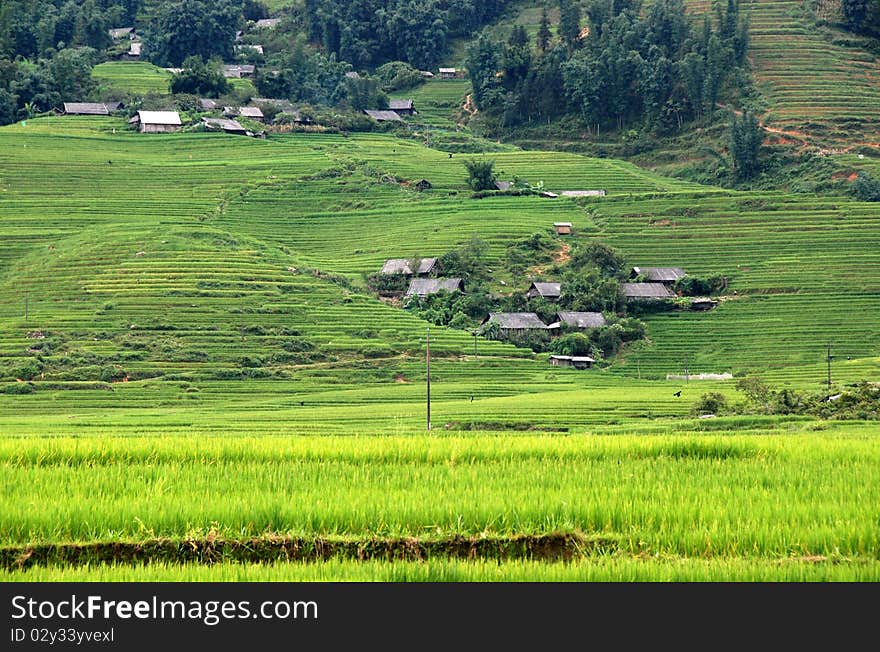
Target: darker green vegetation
(862, 16)
(627, 69)
(372, 32)
(589, 279)
(481, 174)
(200, 78)
(866, 187)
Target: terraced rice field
(196, 318)
(132, 76)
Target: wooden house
(703, 303)
(383, 116)
(645, 292)
(118, 33)
(156, 122)
(516, 322)
(573, 361)
(448, 73)
(239, 71)
(665, 275)
(223, 124)
(402, 107)
(86, 108)
(549, 291)
(402, 266)
(422, 287)
(580, 320)
(267, 23)
(562, 228)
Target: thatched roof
(581, 319)
(516, 320)
(159, 118)
(448, 71)
(401, 266)
(546, 290)
(86, 108)
(267, 23)
(236, 70)
(208, 104)
(573, 358)
(582, 193)
(248, 46)
(425, 286)
(401, 105)
(503, 186)
(134, 50)
(659, 274)
(383, 116)
(645, 291)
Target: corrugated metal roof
(400, 105)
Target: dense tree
(481, 174)
(193, 28)
(544, 33)
(746, 137)
(483, 64)
(569, 22)
(200, 78)
(862, 16)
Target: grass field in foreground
(600, 569)
(720, 496)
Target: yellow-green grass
(719, 496)
(137, 77)
(599, 569)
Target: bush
(866, 187)
(398, 75)
(20, 388)
(481, 174)
(710, 403)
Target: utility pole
(428, 373)
(828, 359)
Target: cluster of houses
(647, 284)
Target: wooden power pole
(428, 373)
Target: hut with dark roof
(402, 107)
(580, 320)
(515, 322)
(645, 291)
(403, 266)
(665, 275)
(549, 291)
(422, 287)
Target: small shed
(267, 23)
(352, 74)
(134, 51)
(383, 116)
(645, 291)
(156, 122)
(422, 287)
(236, 71)
(118, 33)
(448, 73)
(580, 320)
(549, 291)
(252, 112)
(402, 107)
(427, 74)
(423, 184)
(206, 104)
(503, 186)
(86, 108)
(574, 361)
(516, 321)
(222, 124)
(562, 228)
(665, 275)
(402, 266)
(703, 303)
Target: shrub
(866, 187)
(481, 174)
(710, 403)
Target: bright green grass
(132, 76)
(599, 569)
(720, 496)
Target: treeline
(367, 33)
(612, 66)
(862, 16)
